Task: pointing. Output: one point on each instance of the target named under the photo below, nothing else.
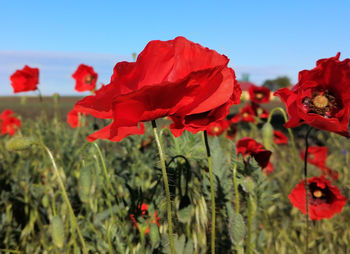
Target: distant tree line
(277, 83)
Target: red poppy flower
(249, 113)
(217, 128)
(259, 94)
(279, 138)
(231, 131)
(144, 213)
(8, 123)
(85, 78)
(317, 155)
(73, 118)
(269, 169)
(325, 200)
(177, 78)
(321, 98)
(25, 80)
(248, 146)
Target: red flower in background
(232, 130)
(177, 78)
(279, 138)
(317, 155)
(217, 128)
(269, 169)
(248, 146)
(144, 214)
(9, 123)
(25, 80)
(325, 200)
(73, 118)
(321, 98)
(259, 94)
(85, 78)
(249, 113)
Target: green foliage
(277, 83)
(106, 188)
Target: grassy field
(105, 184)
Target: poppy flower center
(317, 193)
(216, 129)
(322, 103)
(259, 95)
(245, 115)
(88, 79)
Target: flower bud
(20, 143)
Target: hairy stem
(212, 191)
(306, 189)
(166, 185)
(66, 199)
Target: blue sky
(263, 38)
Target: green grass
(104, 189)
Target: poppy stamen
(216, 129)
(88, 79)
(259, 95)
(317, 194)
(320, 101)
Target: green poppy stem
(166, 185)
(66, 199)
(212, 191)
(289, 130)
(306, 189)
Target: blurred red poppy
(85, 78)
(279, 138)
(259, 94)
(269, 169)
(248, 146)
(73, 118)
(325, 199)
(217, 128)
(231, 130)
(317, 155)
(149, 218)
(321, 98)
(8, 123)
(25, 80)
(249, 113)
(177, 78)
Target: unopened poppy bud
(57, 231)
(85, 183)
(267, 132)
(20, 143)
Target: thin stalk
(235, 186)
(289, 129)
(306, 189)
(104, 169)
(212, 191)
(251, 214)
(66, 199)
(166, 185)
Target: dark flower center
(88, 79)
(319, 195)
(259, 95)
(322, 103)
